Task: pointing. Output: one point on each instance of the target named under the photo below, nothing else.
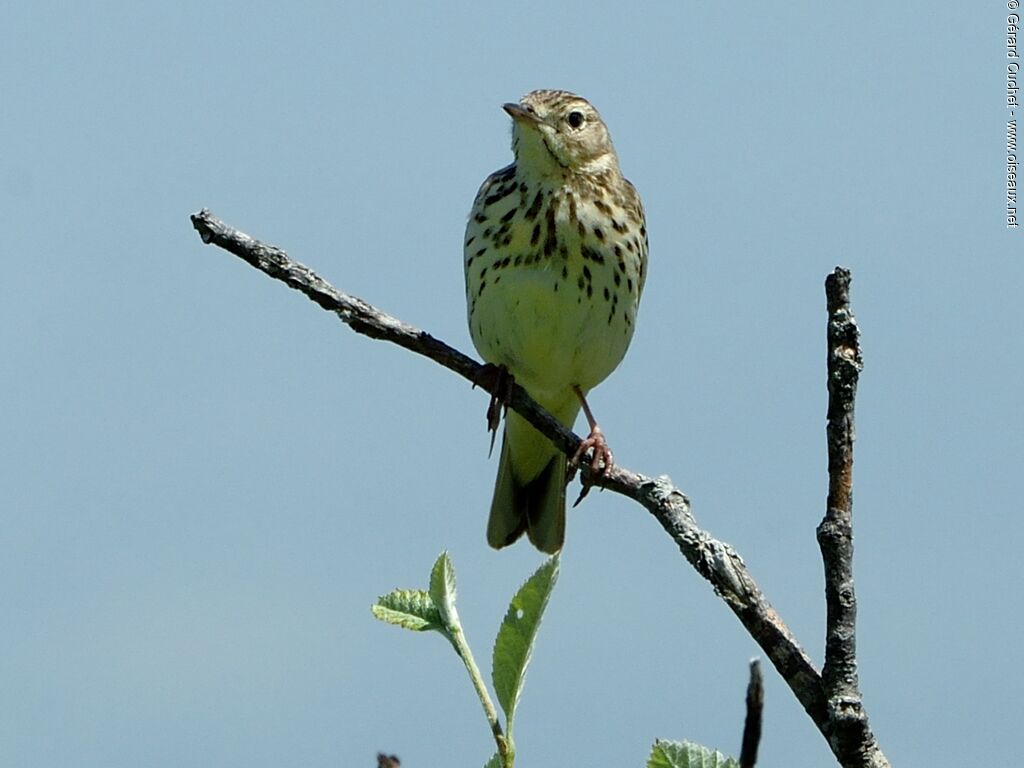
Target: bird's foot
(600, 454)
(600, 459)
(497, 380)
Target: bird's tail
(535, 506)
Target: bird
(555, 259)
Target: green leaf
(442, 589)
(494, 762)
(409, 608)
(685, 754)
(514, 644)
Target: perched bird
(555, 261)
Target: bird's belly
(551, 332)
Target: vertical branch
(835, 533)
(752, 724)
(848, 732)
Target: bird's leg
(498, 381)
(601, 459)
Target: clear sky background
(206, 480)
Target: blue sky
(207, 480)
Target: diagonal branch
(715, 560)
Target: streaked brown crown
(559, 131)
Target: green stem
(458, 641)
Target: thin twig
(716, 561)
(752, 723)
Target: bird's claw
(601, 459)
(499, 382)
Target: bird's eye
(575, 119)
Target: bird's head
(557, 132)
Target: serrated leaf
(514, 644)
(685, 754)
(410, 608)
(442, 589)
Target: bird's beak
(520, 114)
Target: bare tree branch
(848, 720)
(752, 723)
(716, 561)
